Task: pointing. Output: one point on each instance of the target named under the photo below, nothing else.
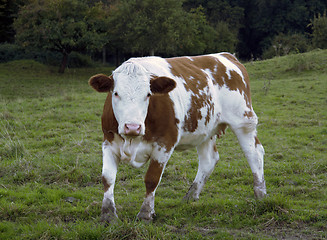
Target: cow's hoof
(146, 217)
(191, 195)
(109, 219)
(108, 213)
(260, 193)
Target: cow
(156, 105)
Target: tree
(61, 25)
(319, 35)
(146, 27)
(8, 11)
(264, 19)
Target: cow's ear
(162, 85)
(102, 83)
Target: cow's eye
(116, 94)
(149, 95)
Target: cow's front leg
(152, 180)
(109, 172)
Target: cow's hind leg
(208, 157)
(254, 152)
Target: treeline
(118, 29)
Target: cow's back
(200, 99)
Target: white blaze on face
(130, 99)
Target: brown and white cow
(157, 105)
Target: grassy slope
(50, 162)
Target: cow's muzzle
(132, 129)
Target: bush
(319, 27)
(11, 52)
(226, 39)
(76, 60)
(219, 38)
(284, 44)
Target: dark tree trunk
(117, 57)
(104, 55)
(63, 64)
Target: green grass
(50, 162)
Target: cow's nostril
(132, 129)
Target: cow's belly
(196, 138)
(190, 141)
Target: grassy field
(50, 162)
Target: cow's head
(131, 88)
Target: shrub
(284, 44)
(76, 60)
(319, 27)
(11, 52)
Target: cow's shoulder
(161, 123)
(109, 122)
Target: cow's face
(130, 98)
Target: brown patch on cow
(221, 129)
(210, 109)
(215, 148)
(160, 122)
(105, 184)
(191, 70)
(236, 82)
(152, 176)
(220, 75)
(248, 114)
(256, 139)
(109, 122)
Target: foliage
(8, 11)
(226, 40)
(319, 27)
(11, 52)
(50, 166)
(160, 26)
(61, 25)
(77, 60)
(263, 20)
(284, 44)
(167, 27)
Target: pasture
(50, 161)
